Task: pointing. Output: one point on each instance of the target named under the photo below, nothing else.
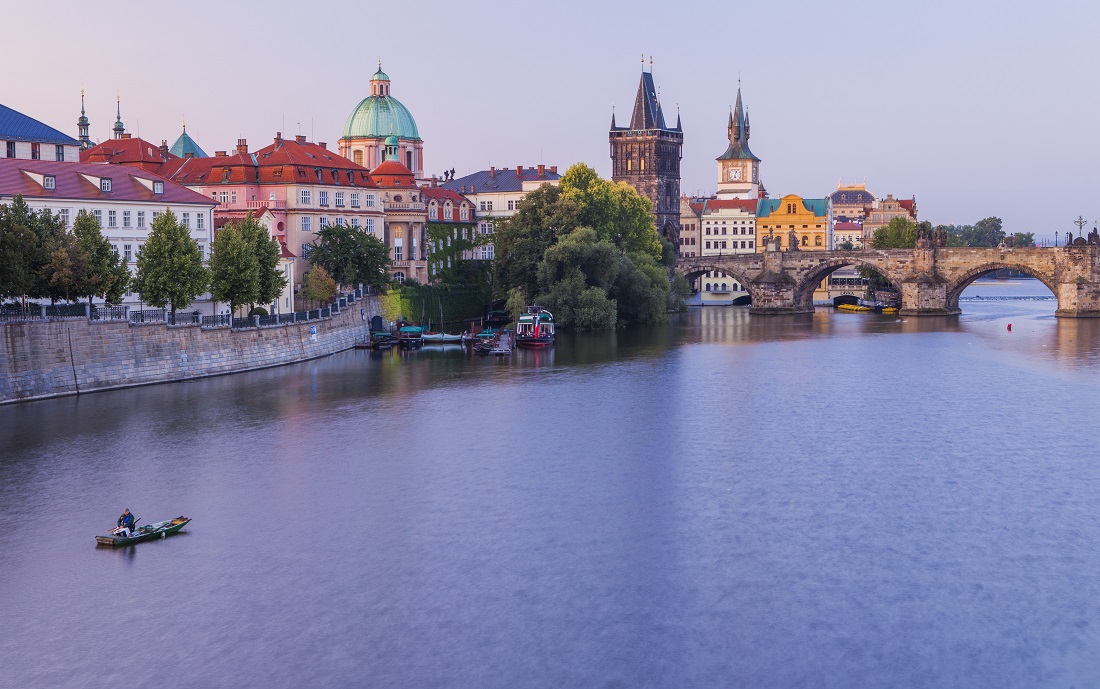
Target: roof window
(158, 187)
(105, 184)
(49, 182)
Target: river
(836, 500)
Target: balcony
(404, 206)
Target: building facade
(452, 235)
(377, 117)
(125, 201)
(406, 216)
(646, 155)
(496, 194)
(885, 210)
(25, 138)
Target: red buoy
(1010, 327)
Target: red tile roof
(440, 196)
(847, 226)
(907, 204)
(128, 151)
(392, 174)
(71, 183)
(747, 205)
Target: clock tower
(738, 168)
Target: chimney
(220, 154)
(463, 188)
(125, 136)
(554, 169)
(542, 170)
(300, 138)
(519, 171)
(323, 145)
(163, 148)
(492, 171)
(278, 137)
(242, 145)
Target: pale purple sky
(976, 108)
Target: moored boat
(410, 336)
(854, 307)
(440, 338)
(144, 533)
(535, 328)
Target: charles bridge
(930, 277)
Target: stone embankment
(67, 357)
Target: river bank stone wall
(41, 360)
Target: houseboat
(535, 328)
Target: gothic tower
(118, 129)
(738, 168)
(646, 155)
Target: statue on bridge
(1094, 236)
(793, 238)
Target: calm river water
(837, 500)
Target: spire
(82, 125)
(647, 109)
(613, 116)
(678, 127)
(119, 129)
(738, 132)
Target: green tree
(18, 247)
(351, 255)
(106, 274)
(169, 267)
(267, 251)
(68, 269)
(234, 269)
(318, 285)
(521, 240)
(1021, 239)
(48, 230)
(900, 233)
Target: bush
(257, 311)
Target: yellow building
(793, 218)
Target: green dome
(380, 76)
(380, 116)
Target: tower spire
(119, 129)
(82, 125)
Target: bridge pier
(1078, 299)
(775, 291)
(925, 295)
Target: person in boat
(125, 523)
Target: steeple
(738, 129)
(647, 108)
(119, 129)
(82, 125)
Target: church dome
(377, 117)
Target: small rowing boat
(144, 533)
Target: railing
(181, 318)
(243, 323)
(66, 311)
(219, 321)
(148, 316)
(110, 313)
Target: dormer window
(105, 184)
(158, 187)
(49, 182)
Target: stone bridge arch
(811, 278)
(702, 268)
(956, 286)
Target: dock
(504, 344)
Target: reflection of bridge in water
(930, 278)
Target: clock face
(735, 173)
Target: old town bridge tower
(646, 155)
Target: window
(357, 157)
(464, 213)
(306, 222)
(399, 277)
(98, 217)
(36, 154)
(158, 187)
(707, 246)
(49, 182)
(369, 201)
(322, 198)
(370, 225)
(125, 218)
(199, 220)
(397, 249)
(817, 240)
(355, 197)
(223, 196)
(805, 241)
(355, 222)
(232, 197)
(186, 220)
(156, 214)
(511, 205)
(11, 149)
(433, 212)
(64, 213)
(481, 206)
(59, 152)
(304, 197)
(105, 184)
(307, 249)
(128, 252)
(340, 199)
(141, 218)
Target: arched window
(399, 277)
(817, 240)
(357, 156)
(723, 287)
(708, 287)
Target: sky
(974, 108)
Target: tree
(318, 285)
(899, 233)
(267, 252)
(68, 269)
(18, 246)
(234, 269)
(106, 274)
(169, 266)
(1021, 239)
(351, 255)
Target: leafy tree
(68, 269)
(234, 268)
(169, 266)
(900, 233)
(267, 252)
(351, 255)
(318, 285)
(846, 245)
(18, 247)
(521, 240)
(48, 230)
(1021, 239)
(105, 272)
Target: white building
(496, 194)
(726, 226)
(124, 199)
(28, 139)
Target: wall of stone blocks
(40, 360)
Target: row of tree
(901, 233)
(587, 250)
